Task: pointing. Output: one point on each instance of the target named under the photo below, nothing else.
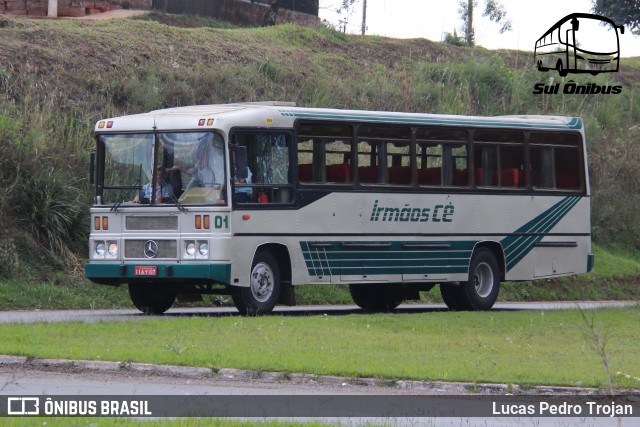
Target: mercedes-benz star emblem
(150, 249)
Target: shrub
(54, 204)
(9, 260)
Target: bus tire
(451, 296)
(481, 290)
(152, 298)
(376, 298)
(263, 292)
(540, 67)
(561, 70)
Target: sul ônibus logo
(579, 43)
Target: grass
(121, 422)
(528, 347)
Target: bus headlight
(113, 249)
(101, 248)
(196, 249)
(203, 249)
(190, 248)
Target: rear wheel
(481, 290)
(451, 296)
(376, 298)
(152, 298)
(264, 287)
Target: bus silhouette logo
(567, 48)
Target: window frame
(470, 143)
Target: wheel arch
(282, 255)
(498, 252)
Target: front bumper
(113, 274)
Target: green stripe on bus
(433, 257)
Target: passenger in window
(164, 191)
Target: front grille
(137, 223)
(136, 249)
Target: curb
(228, 374)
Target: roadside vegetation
(50, 99)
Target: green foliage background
(57, 78)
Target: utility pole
(52, 9)
(364, 16)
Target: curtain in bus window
(127, 158)
(197, 154)
(542, 168)
(486, 158)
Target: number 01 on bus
(252, 199)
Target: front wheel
(152, 298)
(561, 70)
(264, 287)
(481, 290)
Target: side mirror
(575, 24)
(240, 164)
(621, 29)
(92, 168)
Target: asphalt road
(88, 316)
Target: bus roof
(576, 15)
(284, 115)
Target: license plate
(146, 270)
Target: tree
(622, 12)
(345, 10)
(493, 10)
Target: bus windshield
(189, 168)
(596, 37)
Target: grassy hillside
(57, 77)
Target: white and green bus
(252, 199)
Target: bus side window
(556, 160)
(384, 154)
(368, 162)
(324, 153)
(499, 158)
(429, 164)
(268, 162)
(567, 168)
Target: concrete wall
(241, 12)
(69, 7)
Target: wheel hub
(262, 282)
(483, 279)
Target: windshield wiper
(179, 205)
(116, 205)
